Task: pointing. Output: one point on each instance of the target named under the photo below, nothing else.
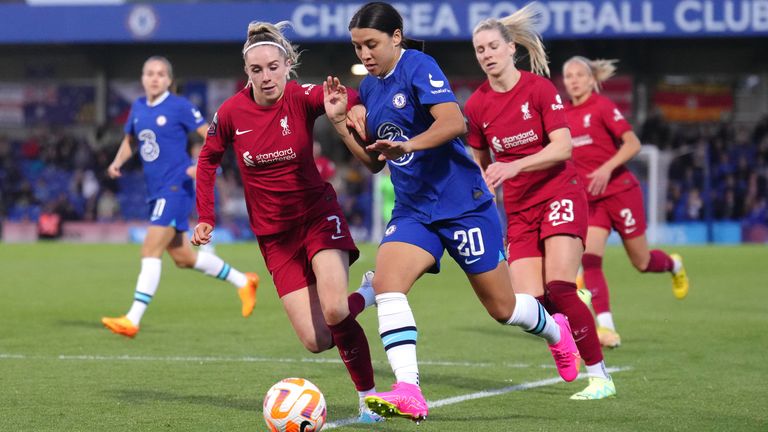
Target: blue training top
(434, 184)
(161, 131)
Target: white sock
(146, 286)
(676, 266)
(366, 289)
(605, 319)
(397, 328)
(214, 266)
(597, 370)
(531, 316)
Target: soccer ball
(294, 405)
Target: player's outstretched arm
(335, 100)
(123, 154)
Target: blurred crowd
(55, 173)
(716, 172)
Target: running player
(603, 142)
(517, 117)
(159, 124)
(303, 236)
(442, 202)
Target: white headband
(265, 43)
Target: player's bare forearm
(357, 147)
(449, 124)
(558, 150)
(124, 152)
(630, 147)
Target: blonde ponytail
(519, 28)
(600, 69)
(272, 34)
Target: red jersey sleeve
(216, 142)
(612, 118)
(550, 106)
(475, 135)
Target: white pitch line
(247, 359)
(482, 394)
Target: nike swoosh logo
(556, 223)
(630, 231)
(239, 132)
(485, 125)
(336, 237)
(469, 261)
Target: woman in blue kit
(158, 125)
(441, 201)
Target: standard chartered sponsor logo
(517, 140)
(581, 140)
(272, 157)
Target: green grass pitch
(197, 365)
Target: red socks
(350, 339)
(356, 303)
(660, 262)
(594, 280)
(564, 297)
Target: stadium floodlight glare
(359, 69)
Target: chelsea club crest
(398, 100)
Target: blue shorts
(172, 211)
(474, 239)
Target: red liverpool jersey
(515, 124)
(273, 149)
(596, 127)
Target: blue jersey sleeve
(189, 116)
(430, 84)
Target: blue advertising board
(118, 22)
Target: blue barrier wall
(327, 20)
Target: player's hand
(390, 150)
(335, 100)
(113, 171)
(192, 171)
(498, 172)
(202, 234)
(356, 120)
(488, 183)
(598, 180)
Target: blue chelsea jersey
(161, 133)
(434, 184)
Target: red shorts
(623, 211)
(288, 254)
(564, 214)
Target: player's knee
(640, 263)
(317, 344)
(183, 263)
(336, 314)
(500, 314)
(591, 261)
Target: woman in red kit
(603, 142)
(303, 236)
(518, 118)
